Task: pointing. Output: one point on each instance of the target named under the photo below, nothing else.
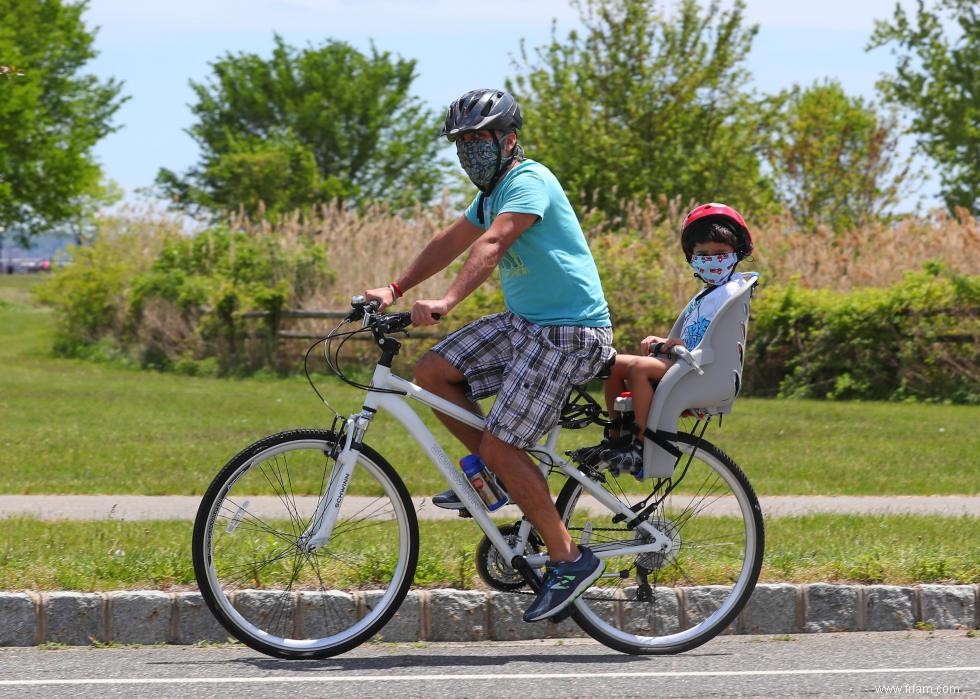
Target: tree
(83, 227)
(644, 104)
(308, 126)
(834, 158)
(937, 79)
(51, 115)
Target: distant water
(43, 247)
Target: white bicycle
(295, 566)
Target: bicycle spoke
(298, 602)
(635, 606)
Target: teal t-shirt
(547, 275)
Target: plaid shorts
(530, 367)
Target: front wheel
(260, 581)
(712, 517)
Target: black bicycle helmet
(481, 110)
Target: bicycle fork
(320, 529)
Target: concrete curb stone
(405, 625)
(139, 617)
(193, 622)
(150, 617)
(74, 618)
(18, 615)
(506, 624)
(340, 604)
(831, 608)
(889, 608)
(948, 606)
(702, 602)
(461, 616)
(772, 609)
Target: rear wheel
(714, 522)
(262, 583)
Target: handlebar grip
(436, 316)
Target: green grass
(887, 549)
(74, 426)
(15, 290)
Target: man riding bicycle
(555, 333)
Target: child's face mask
(714, 269)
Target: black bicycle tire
(572, 488)
(202, 523)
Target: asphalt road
(945, 663)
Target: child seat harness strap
(661, 439)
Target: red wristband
(398, 289)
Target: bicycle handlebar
(364, 308)
(383, 322)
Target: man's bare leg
(527, 486)
(435, 374)
(521, 477)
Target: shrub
(916, 340)
(190, 304)
(830, 320)
(90, 295)
(172, 300)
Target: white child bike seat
(705, 380)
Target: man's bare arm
(438, 253)
(484, 255)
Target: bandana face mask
(714, 269)
(480, 159)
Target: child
(715, 239)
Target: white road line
(483, 676)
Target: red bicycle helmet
(729, 215)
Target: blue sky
(155, 48)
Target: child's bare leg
(616, 384)
(641, 373)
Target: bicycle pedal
(464, 513)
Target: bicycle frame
(321, 527)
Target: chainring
(497, 572)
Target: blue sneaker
(596, 455)
(563, 583)
(447, 500)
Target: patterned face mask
(480, 159)
(714, 269)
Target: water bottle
(484, 483)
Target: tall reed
(370, 248)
